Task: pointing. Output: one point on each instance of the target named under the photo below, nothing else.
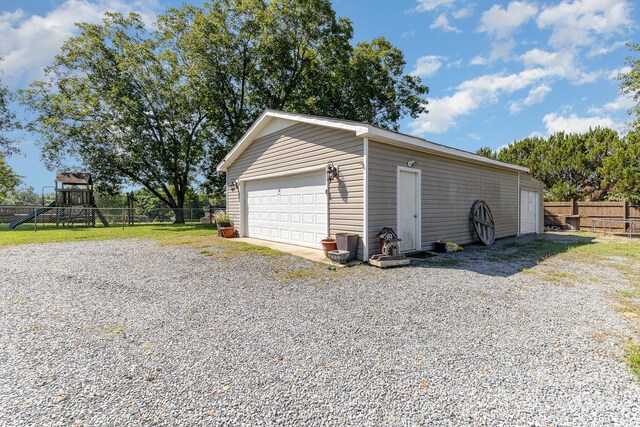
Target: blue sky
(497, 71)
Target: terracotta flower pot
(328, 245)
(227, 232)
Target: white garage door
(528, 212)
(290, 210)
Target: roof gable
(272, 121)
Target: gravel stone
(135, 333)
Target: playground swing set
(74, 203)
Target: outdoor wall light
(412, 163)
(332, 171)
(233, 185)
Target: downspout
(519, 200)
(365, 192)
(328, 192)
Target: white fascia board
(410, 142)
(320, 121)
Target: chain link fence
(36, 218)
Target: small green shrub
(223, 220)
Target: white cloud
(429, 5)
(540, 67)
(535, 96)
(502, 49)
(575, 124)
(465, 12)
(473, 136)
(428, 65)
(442, 22)
(617, 71)
(603, 50)
(561, 63)
(469, 96)
(501, 22)
(478, 60)
(621, 103)
(29, 43)
(455, 64)
(575, 23)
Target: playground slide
(102, 218)
(29, 217)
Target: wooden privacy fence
(580, 215)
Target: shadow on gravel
(506, 256)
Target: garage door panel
(290, 210)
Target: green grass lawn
(138, 231)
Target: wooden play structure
(74, 203)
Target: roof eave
(411, 142)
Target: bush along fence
(36, 218)
(596, 216)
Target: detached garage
(297, 179)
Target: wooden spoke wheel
(483, 222)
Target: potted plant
(328, 244)
(224, 224)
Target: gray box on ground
(348, 242)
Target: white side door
(409, 209)
(529, 203)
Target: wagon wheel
(483, 222)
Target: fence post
(35, 220)
(574, 207)
(123, 214)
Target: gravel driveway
(135, 333)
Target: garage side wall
(304, 146)
(527, 182)
(449, 188)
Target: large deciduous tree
(292, 55)
(9, 180)
(161, 107)
(121, 102)
(630, 82)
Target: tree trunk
(179, 209)
(179, 215)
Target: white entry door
(291, 210)
(409, 209)
(529, 203)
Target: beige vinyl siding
(304, 146)
(448, 189)
(528, 182)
